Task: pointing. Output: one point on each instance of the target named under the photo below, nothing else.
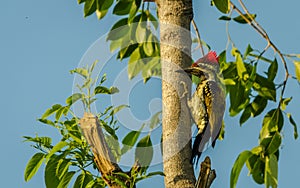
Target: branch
(206, 175)
(102, 155)
(264, 34)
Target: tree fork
(175, 49)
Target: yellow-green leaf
(297, 70)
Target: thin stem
(198, 36)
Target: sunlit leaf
(82, 180)
(237, 167)
(222, 5)
(73, 98)
(297, 70)
(271, 171)
(241, 69)
(274, 144)
(51, 178)
(129, 140)
(119, 30)
(33, 165)
(294, 125)
(90, 7)
(285, 102)
(51, 110)
(135, 64)
(64, 182)
(57, 148)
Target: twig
(264, 34)
(198, 36)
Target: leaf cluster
(72, 155)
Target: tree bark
(175, 49)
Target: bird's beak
(187, 70)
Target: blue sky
(42, 40)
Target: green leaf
(82, 180)
(274, 144)
(129, 140)
(127, 51)
(51, 110)
(33, 165)
(248, 51)
(265, 87)
(105, 90)
(135, 64)
(141, 30)
(73, 98)
(155, 120)
(285, 102)
(51, 178)
(144, 152)
(297, 70)
(148, 46)
(237, 167)
(239, 98)
(114, 146)
(258, 171)
(57, 148)
(271, 171)
(258, 105)
(46, 121)
(64, 182)
(90, 7)
(81, 1)
(133, 10)
(245, 115)
(240, 19)
(122, 7)
(119, 30)
(60, 112)
(222, 5)
(44, 141)
(152, 68)
(118, 108)
(102, 7)
(241, 69)
(226, 18)
(272, 122)
(81, 71)
(272, 70)
(62, 167)
(294, 125)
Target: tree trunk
(175, 18)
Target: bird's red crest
(211, 57)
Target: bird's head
(208, 64)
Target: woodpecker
(207, 104)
